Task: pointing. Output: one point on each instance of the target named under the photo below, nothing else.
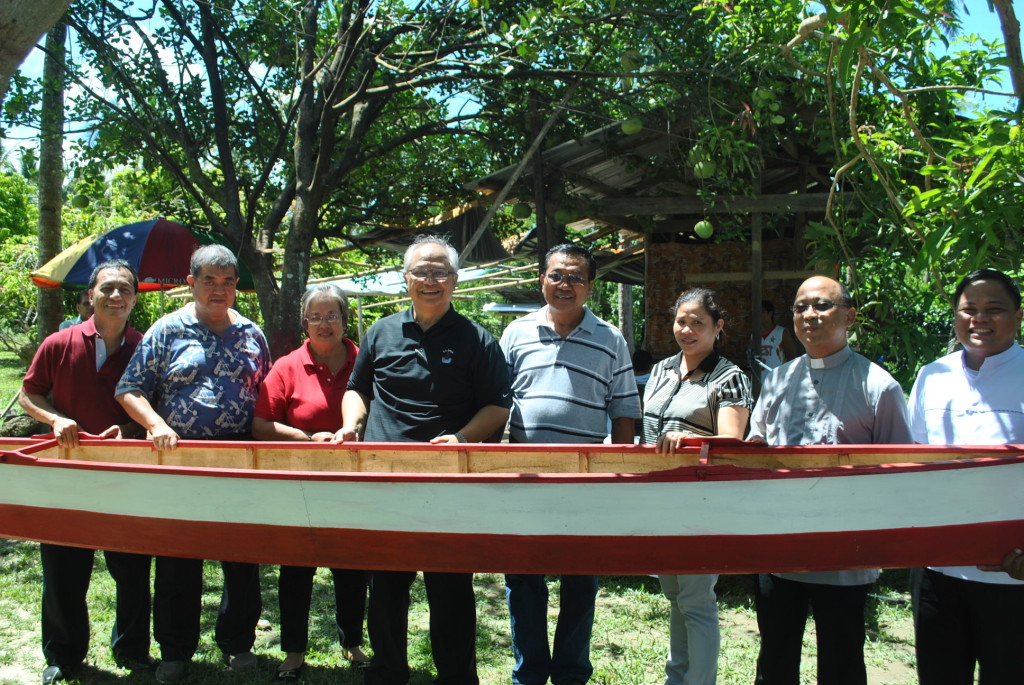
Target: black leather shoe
(146, 664)
(53, 674)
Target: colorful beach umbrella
(160, 250)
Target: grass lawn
(629, 645)
(12, 370)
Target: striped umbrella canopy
(160, 250)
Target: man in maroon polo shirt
(70, 387)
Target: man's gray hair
(212, 255)
(423, 239)
(324, 291)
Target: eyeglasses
(330, 320)
(820, 306)
(424, 274)
(225, 284)
(571, 279)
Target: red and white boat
(718, 506)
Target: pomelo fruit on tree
(522, 210)
(631, 126)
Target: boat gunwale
(1001, 455)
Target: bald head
(825, 312)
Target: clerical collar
(831, 361)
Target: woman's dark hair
(708, 299)
(1012, 289)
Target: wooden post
(626, 315)
(756, 281)
(539, 191)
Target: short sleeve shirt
(674, 404)
(202, 384)
(422, 384)
(303, 394)
(566, 389)
(65, 365)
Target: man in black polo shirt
(427, 374)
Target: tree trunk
(50, 303)
(1011, 39)
(22, 22)
(283, 328)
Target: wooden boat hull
(699, 518)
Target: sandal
(290, 675)
(355, 656)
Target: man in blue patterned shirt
(196, 375)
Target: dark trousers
(782, 608)
(177, 605)
(452, 627)
(958, 623)
(295, 591)
(65, 615)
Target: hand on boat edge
(66, 431)
(670, 441)
(447, 439)
(346, 434)
(164, 438)
(1012, 564)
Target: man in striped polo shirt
(571, 375)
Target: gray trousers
(693, 629)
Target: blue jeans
(528, 609)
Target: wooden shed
(642, 187)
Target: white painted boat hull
(692, 519)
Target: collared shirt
(834, 400)
(566, 389)
(672, 403)
(65, 364)
(951, 404)
(303, 394)
(422, 384)
(202, 384)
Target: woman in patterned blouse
(697, 392)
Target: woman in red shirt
(300, 399)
